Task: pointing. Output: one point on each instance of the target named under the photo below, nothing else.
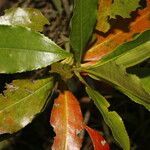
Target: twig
(86, 120)
(66, 7)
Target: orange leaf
(99, 142)
(106, 44)
(66, 119)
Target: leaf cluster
(23, 48)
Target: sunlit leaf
(24, 50)
(21, 101)
(99, 142)
(66, 119)
(26, 17)
(83, 21)
(112, 119)
(106, 44)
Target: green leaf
(127, 83)
(4, 144)
(130, 53)
(83, 21)
(109, 9)
(21, 101)
(24, 50)
(146, 82)
(112, 119)
(64, 70)
(123, 8)
(136, 99)
(144, 75)
(26, 17)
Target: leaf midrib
(66, 117)
(34, 50)
(81, 30)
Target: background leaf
(26, 17)
(123, 8)
(99, 142)
(112, 119)
(21, 101)
(103, 13)
(83, 21)
(110, 9)
(106, 44)
(66, 119)
(24, 50)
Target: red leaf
(99, 142)
(66, 119)
(105, 44)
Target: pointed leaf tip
(24, 50)
(66, 119)
(82, 25)
(112, 119)
(99, 142)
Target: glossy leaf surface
(109, 9)
(21, 101)
(24, 50)
(66, 119)
(106, 44)
(99, 142)
(83, 21)
(131, 53)
(112, 119)
(127, 83)
(26, 17)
